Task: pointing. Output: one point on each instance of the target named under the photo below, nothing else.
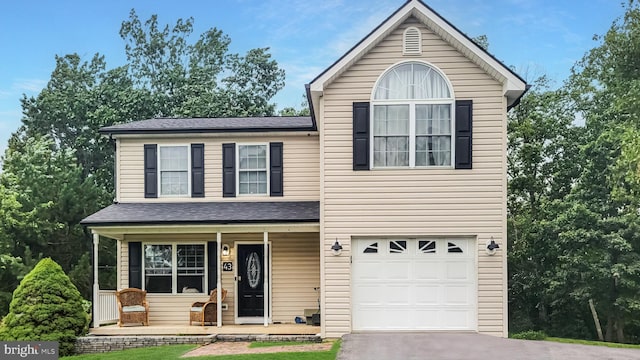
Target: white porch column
(96, 285)
(219, 280)
(266, 277)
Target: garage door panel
(427, 294)
(397, 295)
(369, 319)
(457, 319)
(457, 295)
(369, 270)
(397, 270)
(424, 319)
(457, 270)
(367, 295)
(403, 286)
(427, 270)
(395, 318)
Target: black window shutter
(275, 159)
(360, 136)
(229, 170)
(135, 265)
(212, 253)
(150, 170)
(464, 120)
(197, 170)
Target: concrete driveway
(467, 346)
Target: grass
(175, 351)
(260, 344)
(150, 353)
(595, 343)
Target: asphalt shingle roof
(202, 125)
(205, 213)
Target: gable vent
(411, 42)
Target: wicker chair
(132, 306)
(206, 312)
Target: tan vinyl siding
(414, 202)
(300, 161)
(295, 266)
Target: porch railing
(107, 309)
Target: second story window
(174, 170)
(412, 126)
(252, 169)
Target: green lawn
(589, 342)
(150, 353)
(259, 344)
(175, 351)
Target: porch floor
(186, 329)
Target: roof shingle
(203, 125)
(205, 213)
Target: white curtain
(174, 170)
(391, 123)
(412, 81)
(391, 135)
(433, 135)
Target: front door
(251, 275)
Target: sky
(537, 37)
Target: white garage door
(414, 284)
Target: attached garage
(414, 284)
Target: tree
(12, 268)
(59, 169)
(599, 227)
(543, 163)
(291, 111)
(79, 99)
(200, 79)
(46, 306)
(482, 41)
(44, 198)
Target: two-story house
(390, 199)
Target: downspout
(307, 88)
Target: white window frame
(188, 194)
(174, 266)
(412, 119)
(267, 168)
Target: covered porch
(185, 329)
(269, 269)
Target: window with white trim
(412, 109)
(174, 268)
(173, 166)
(253, 174)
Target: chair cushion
(196, 309)
(133, 308)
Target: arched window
(412, 108)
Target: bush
(529, 335)
(46, 306)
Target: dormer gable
(415, 10)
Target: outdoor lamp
(336, 248)
(492, 246)
(225, 250)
